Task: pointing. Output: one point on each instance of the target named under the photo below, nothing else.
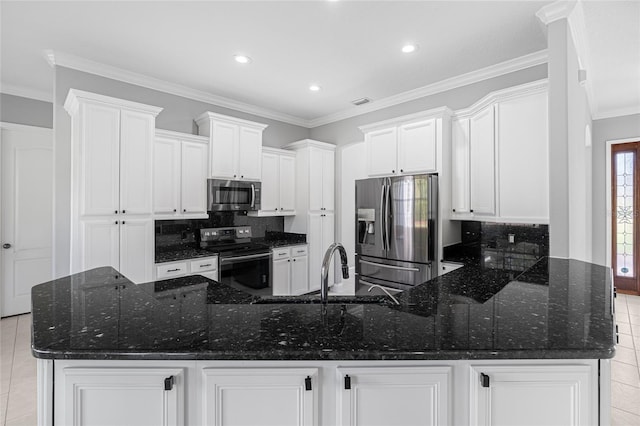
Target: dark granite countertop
(556, 309)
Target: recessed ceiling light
(314, 88)
(409, 48)
(242, 59)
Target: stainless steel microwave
(233, 195)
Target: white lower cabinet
(206, 266)
(125, 244)
(260, 396)
(394, 396)
(572, 392)
(290, 271)
(104, 396)
(533, 395)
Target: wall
(178, 115)
(569, 171)
(602, 131)
(30, 112)
(346, 131)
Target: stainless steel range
(241, 261)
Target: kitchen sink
(315, 300)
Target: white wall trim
(608, 213)
(25, 92)
(75, 96)
(502, 68)
(24, 128)
(556, 11)
(616, 112)
(407, 119)
(56, 58)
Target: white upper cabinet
(235, 146)
(382, 151)
(98, 137)
(194, 177)
(404, 145)
(278, 183)
(180, 169)
(500, 157)
(460, 181)
(321, 179)
(112, 180)
(523, 157)
(483, 200)
(417, 147)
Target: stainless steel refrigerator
(396, 230)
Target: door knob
(6, 246)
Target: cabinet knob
(294, 260)
(6, 246)
(276, 209)
(116, 212)
(175, 210)
(471, 210)
(454, 210)
(242, 177)
(123, 212)
(116, 222)
(184, 210)
(393, 171)
(234, 176)
(401, 171)
(123, 222)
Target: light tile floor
(17, 373)
(18, 369)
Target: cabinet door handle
(173, 270)
(347, 382)
(484, 380)
(168, 383)
(205, 265)
(307, 383)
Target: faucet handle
(345, 271)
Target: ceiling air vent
(361, 101)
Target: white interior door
(26, 214)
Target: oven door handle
(251, 256)
(400, 268)
(253, 196)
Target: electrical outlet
(512, 238)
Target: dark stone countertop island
(557, 309)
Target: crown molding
(56, 58)
(502, 95)
(555, 11)
(496, 70)
(407, 119)
(208, 116)
(171, 134)
(62, 59)
(307, 143)
(616, 112)
(26, 92)
(75, 97)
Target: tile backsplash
(186, 232)
(508, 246)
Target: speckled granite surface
(556, 309)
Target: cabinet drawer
(281, 253)
(168, 270)
(299, 251)
(204, 264)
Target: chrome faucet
(324, 272)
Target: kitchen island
(475, 346)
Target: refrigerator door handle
(387, 214)
(382, 265)
(383, 225)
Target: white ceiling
(350, 48)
